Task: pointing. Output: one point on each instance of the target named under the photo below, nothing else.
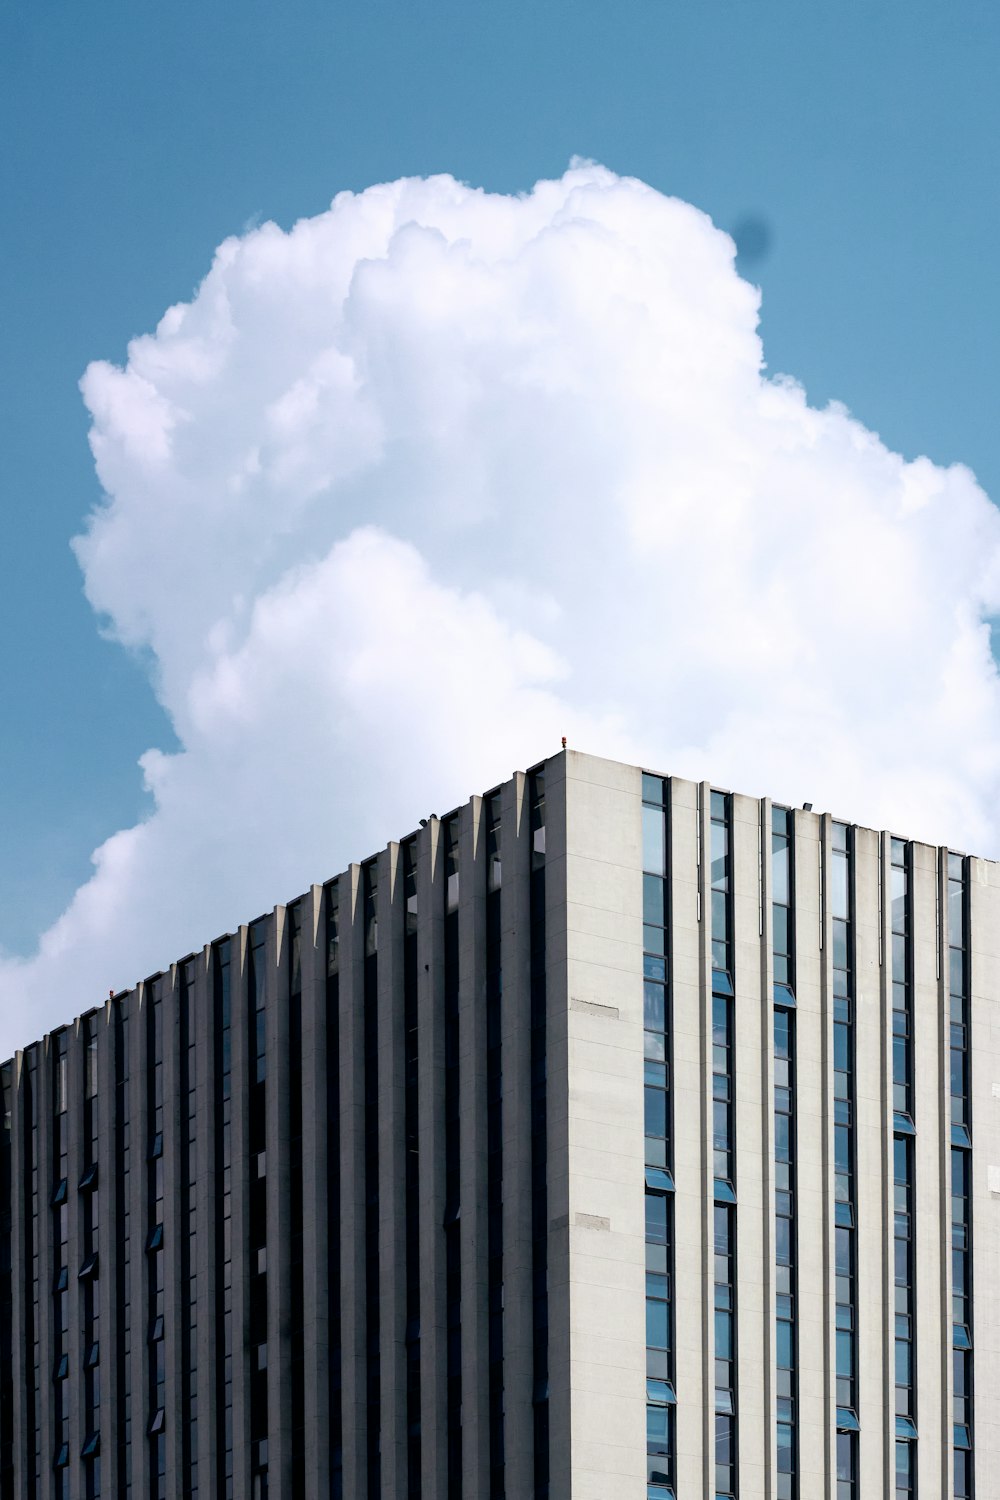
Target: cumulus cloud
(404, 494)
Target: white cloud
(406, 493)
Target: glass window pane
(652, 899)
(658, 1424)
(839, 902)
(656, 1111)
(658, 1325)
(652, 788)
(720, 925)
(720, 1021)
(779, 872)
(780, 915)
(898, 958)
(839, 944)
(720, 857)
(841, 1047)
(656, 1218)
(898, 888)
(654, 1006)
(904, 1463)
(845, 1456)
(652, 841)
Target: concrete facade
(302, 1253)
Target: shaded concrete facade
(522, 1160)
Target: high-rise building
(611, 1137)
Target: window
(725, 1349)
(256, 1023)
(656, 1004)
(902, 996)
(222, 1075)
(335, 1405)
(293, 917)
(188, 1225)
(539, 1135)
(846, 1465)
(783, 1036)
(722, 1089)
(961, 1186)
(452, 1142)
(845, 1247)
(123, 1269)
(721, 901)
(493, 823)
(369, 895)
(782, 926)
(904, 1272)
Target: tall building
(612, 1137)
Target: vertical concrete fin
(594, 895)
(352, 1183)
(279, 1243)
(430, 1111)
(318, 1026)
(515, 1031)
(392, 1174)
(473, 1151)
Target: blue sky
(137, 136)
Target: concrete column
(690, 970)
(137, 1278)
(175, 1229)
(430, 1112)
(22, 1274)
(317, 1292)
(813, 1149)
(392, 1174)
(109, 1245)
(279, 1247)
(47, 1266)
(753, 1125)
(984, 896)
(352, 1182)
(562, 1457)
(240, 1229)
(73, 1125)
(473, 1148)
(204, 1342)
(515, 1044)
(595, 1011)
